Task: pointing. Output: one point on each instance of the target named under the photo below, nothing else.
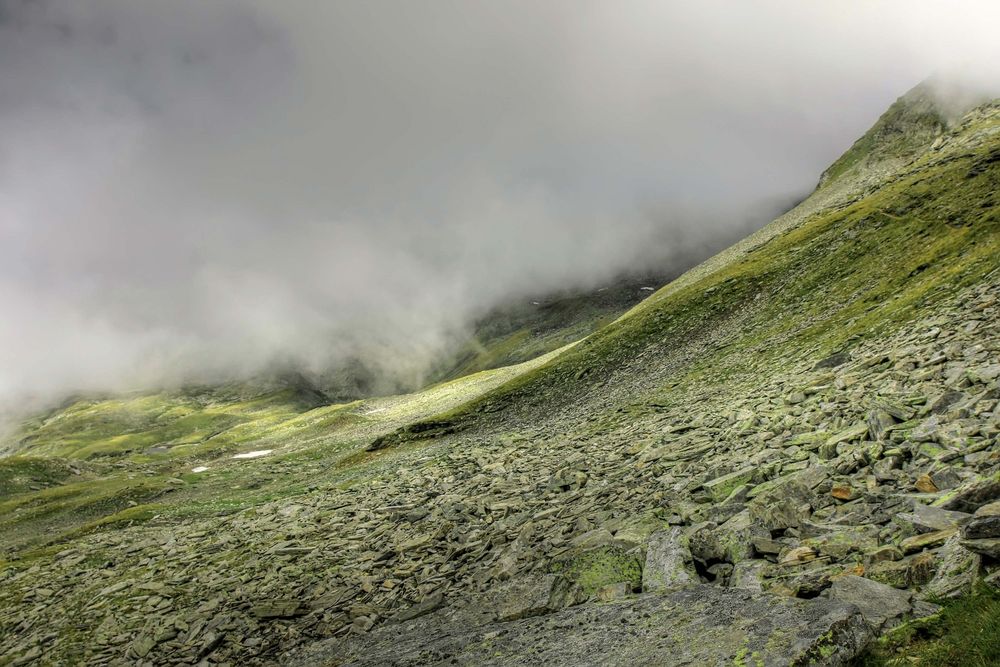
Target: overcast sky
(193, 189)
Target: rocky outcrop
(696, 625)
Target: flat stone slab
(698, 625)
(879, 604)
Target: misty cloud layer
(192, 190)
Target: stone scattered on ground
(653, 505)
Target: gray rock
(735, 537)
(720, 487)
(534, 595)
(879, 423)
(749, 575)
(279, 608)
(425, 606)
(733, 541)
(834, 360)
(927, 519)
(598, 537)
(910, 571)
(142, 645)
(984, 524)
(957, 570)
(784, 503)
(720, 573)
(989, 546)
(923, 609)
(362, 624)
(923, 541)
(946, 479)
(881, 605)
(668, 561)
(611, 592)
(971, 496)
(697, 625)
(985, 373)
(941, 404)
(767, 547)
(837, 544)
(926, 431)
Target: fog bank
(192, 191)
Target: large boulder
(984, 524)
(668, 561)
(732, 542)
(972, 495)
(782, 503)
(982, 532)
(928, 519)
(881, 605)
(533, 595)
(956, 572)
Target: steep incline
(861, 256)
(517, 332)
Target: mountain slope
(517, 332)
(810, 414)
(837, 269)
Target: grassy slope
(842, 274)
(513, 332)
(525, 330)
(900, 134)
(97, 464)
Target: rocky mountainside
(789, 455)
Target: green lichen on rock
(592, 570)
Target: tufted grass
(965, 634)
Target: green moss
(595, 569)
(721, 487)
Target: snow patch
(253, 454)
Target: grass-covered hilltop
(787, 455)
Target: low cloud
(192, 191)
